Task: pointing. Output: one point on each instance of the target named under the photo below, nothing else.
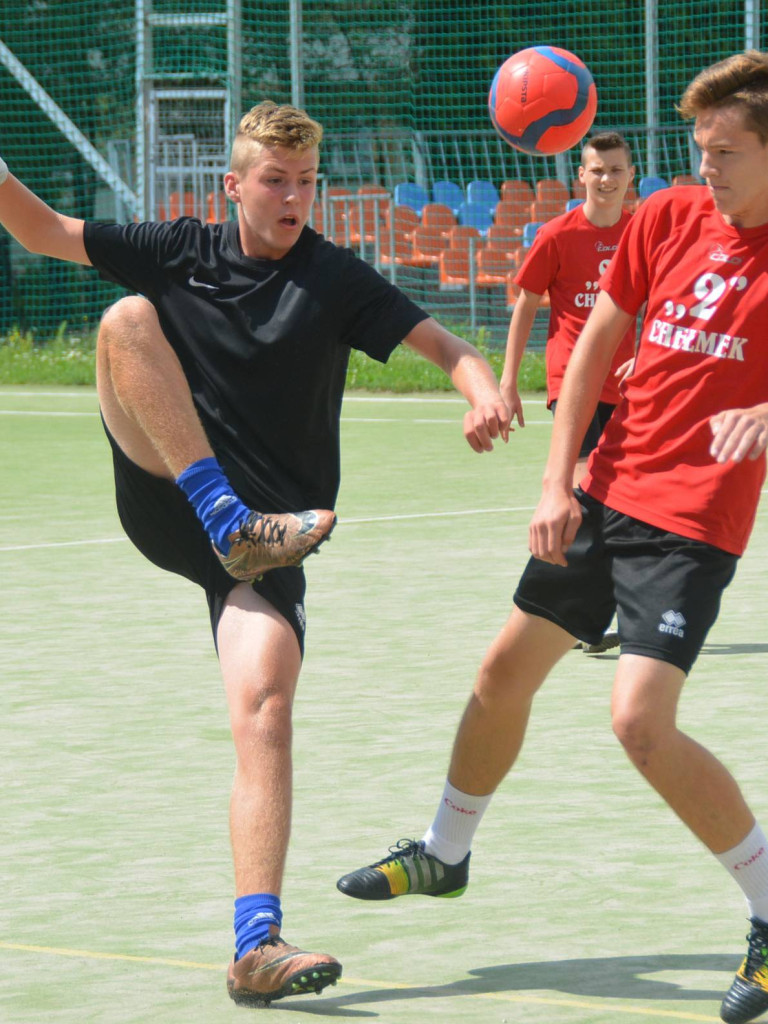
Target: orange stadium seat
(453, 269)
(546, 209)
(493, 265)
(513, 214)
(552, 188)
(439, 215)
(516, 189)
(428, 243)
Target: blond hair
(737, 81)
(276, 126)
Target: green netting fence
(126, 110)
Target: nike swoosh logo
(194, 283)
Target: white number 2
(709, 290)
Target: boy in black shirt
(222, 380)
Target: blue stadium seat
(407, 193)
(647, 186)
(529, 232)
(481, 191)
(449, 194)
(476, 215)
(573, 203)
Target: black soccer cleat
(407, 871)
(747, 997)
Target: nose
(706, 168)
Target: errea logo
(672, 622)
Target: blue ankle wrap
(254, 916)
(217, 506)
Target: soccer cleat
(747, 997)
(274, 969)
(407, 871)
(607, 642)
(272, 541)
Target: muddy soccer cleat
(747, 997)
(274, 969)
(272, 541)
(407, 871)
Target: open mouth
(290, 220)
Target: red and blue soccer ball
(543, 100)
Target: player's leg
(143, 393)
(668, 594)
(698, 788)
(493, 726)
(260, 662)
(706, 797)
(487, 743)
(148, 409)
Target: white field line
(344, 419)
(352, 521)
(363, 399)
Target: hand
(739, 434)
(486, 422)
(554, 525)
(510, 395)
(624, 372)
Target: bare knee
(262, 720)
(503, 681)
(639, 734)
(128, 319)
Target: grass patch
(64, 359)
(70, 359)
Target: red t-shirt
(567, 258)
(703, 349)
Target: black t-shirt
(264, 343)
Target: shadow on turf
(734, 649)
(621, 977)
(706, 649)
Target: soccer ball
(543, 100)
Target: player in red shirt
(568, 256)
(665, 510)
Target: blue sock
(254, 915)
(217, 506)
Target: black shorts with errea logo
(665, 588)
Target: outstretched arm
(470, 374)
(520, 326)
(35, 225)
(558, 515)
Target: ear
(582, 173)
(232, 186)
(632, 172)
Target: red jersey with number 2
(703, 349)
(566, 259)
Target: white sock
(747, 863)
(450, 835)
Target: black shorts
(161, 523)
(664, 588)
(595, 428)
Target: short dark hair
(737, 81)
(602, 141)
